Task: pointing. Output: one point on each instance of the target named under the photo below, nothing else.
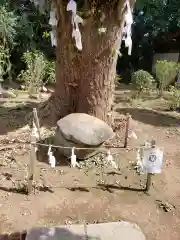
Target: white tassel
(73, 159)
(53, 37)
(139, 159)
(72, 6)
(77, 36)
(111, 161)
(53, 20)
(77, 19)
(127, 28)
(52, 159)
(132, 134)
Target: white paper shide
(152, 160)
(53, 23)
(75, 20)
(127, 29)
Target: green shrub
(175, 100)
(50, 74)
(142, 81)
(34, 74)
(166, 72)
(4, 61)
(8, 23)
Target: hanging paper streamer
(132, 134)
(73, 159)
(72, 6)
(53, 23)
(53, 20)
(111, 161)
(127, 29)
(53, 37)
(52, 160)
(139, 159)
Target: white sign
(152, 160)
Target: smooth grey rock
(103, 231)
(82, 128)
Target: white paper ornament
(77, 36)
(53, 37)
(51, 158)
(72, 6)
(75, 20)
(132, 134)
(111, 161)
(53, 20)
(73, 159)
(127, 29)
(139, 159)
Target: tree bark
(85, 80)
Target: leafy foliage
(175, 101)
(4, 61)
(142, 80)
(166, 72)
(8, 23)
(35, 71)
(50, 72)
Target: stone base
(81, 154)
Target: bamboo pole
(36, 121)
(127, 130)
(149, 175)
(32, 164)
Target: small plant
(8, 23)
(166, 72)
(50, 75)
(34, 74)
(175, 101)
(142, 81)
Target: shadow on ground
(104, 187)
(150, 117)
(13, 118)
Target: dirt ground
(67, 196)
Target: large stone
(103, 231)
(84, 129)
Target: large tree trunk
(85, 80)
